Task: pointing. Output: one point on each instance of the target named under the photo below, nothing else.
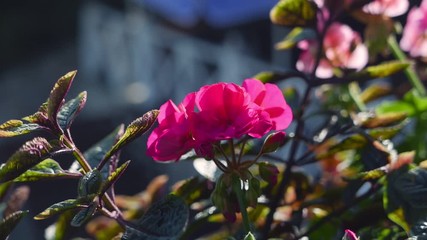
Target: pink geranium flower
(343, 48)
(390, 8)
(226, 111)
(414, 39)
(270, 99)
(173, 137)
(217, 112)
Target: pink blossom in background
(217, 112)
(350, 235)
(390, 8)
(343, 48)
(414, 38)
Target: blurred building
(131, 56)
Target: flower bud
(268, 172)
(273, 142)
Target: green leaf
(9, 223)
(90, 183)
(165, 219)
(386, 132)
(273, 142)
(114, 176)
(297, 34)
(373, 92)
(419, 102)
(384, 120)
(395, 107)
(57, 95)
(294, 13)
(61, 207)
(59, 229)
(30, 154)
(84, 215)
(250, 236)
(96, 153)
(138, 127)
(379, 71)
(355, 141)
(191, 189)
(368, 175)
(70, 110)
(47, 169)
(14, 128)
(4, 189)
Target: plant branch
(409, 71)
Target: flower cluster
(414, 39)
(343, 48)
(217, 112)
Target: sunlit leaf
(9, 223)
(379, 71)
(294, 13)
(386, 132)
(368, 175)
(138, 127)
(29, 155)
(70, 110)
(47, 169)
(191, 189)
(294, 36)
(114, 176)
(61, 207)
(83, 215)
(374, 92)
(14, 128)
(383, 120)
(57, 95)
(90, 183)
(395, 107)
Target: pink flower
(173, 136)
(343, 48)
(270, 99)
(390, 8)
(414, 39)
(226, 111)
(350, 235)
(217, 112)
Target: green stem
(354, 91)
(242, 203)
(409, 71)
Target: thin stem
(354, 91)
(219, 164)
(242, 205)
(242, 149)
(409, 71)
(218, 147)
(233, 154)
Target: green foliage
(14, 128)
(135, 129)
(294, 13)
(9, 223)
(29, 155)
(84, 215)
(61, 207)
(47, 169)
(70, 110)
(90, 183)
(114, 176)
(165, 219)
(382, 70)
(294, 36)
